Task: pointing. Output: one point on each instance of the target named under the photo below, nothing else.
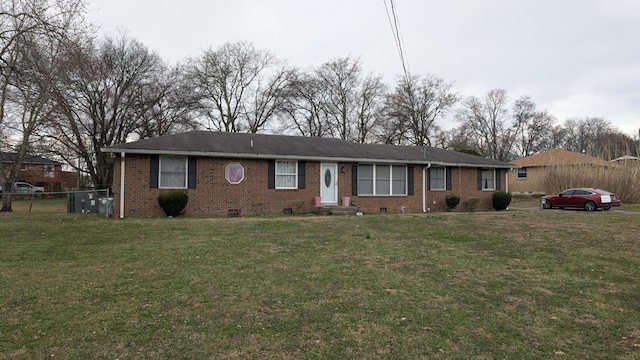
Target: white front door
(329, 183)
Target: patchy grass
(26, 207)
(525, 201)
(485, 285)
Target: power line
(397, 36)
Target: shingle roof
(28, 159)
(243, 145)
(558, 157)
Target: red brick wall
(215, 196)
(464, 184)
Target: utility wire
(397, 36)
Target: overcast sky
(575, 58)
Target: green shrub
(452, 201)
(173, 202)
(500, 200)
(473, 203)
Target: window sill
(384, 195)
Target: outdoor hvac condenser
(83, 202)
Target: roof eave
(300, 157)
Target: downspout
(460, 181)
(122, 185)
(506, 180)
(424, 187)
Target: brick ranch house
(527, 179)
(256, 174)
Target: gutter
(299, 157)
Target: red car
(585, 198)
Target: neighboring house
(39, 171)
(527, 179)
(231, 173)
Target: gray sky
(575, 58)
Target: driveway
(628, 212)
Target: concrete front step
(336, 210)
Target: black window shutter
(154, 166)
(449, 180)
(428, 178)
(354, 179)
(271, 174)
(479, 179)
(498, 179)
(301, 174)
(410, 182)
(191, 173)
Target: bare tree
(33, 35)
(596, 136)
(615, 144)
(558, 137)
(340, 80)
(415, 106)
(238, 86)
(585, 134)
(102, 100)
(335, 100)
(267, 100)
(369, 113)
(175, 109)
(304, 106)
(487, 124)
(534, 127)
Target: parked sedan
(585, 198)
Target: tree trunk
(6, 203)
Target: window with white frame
(173, 172)
(488, 179)
(286, 174)
(376, 179)
(234, 172)
(437, 178)
(522, 173)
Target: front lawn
(484, 285)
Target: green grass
(483, 285)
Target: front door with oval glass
(329, 183)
